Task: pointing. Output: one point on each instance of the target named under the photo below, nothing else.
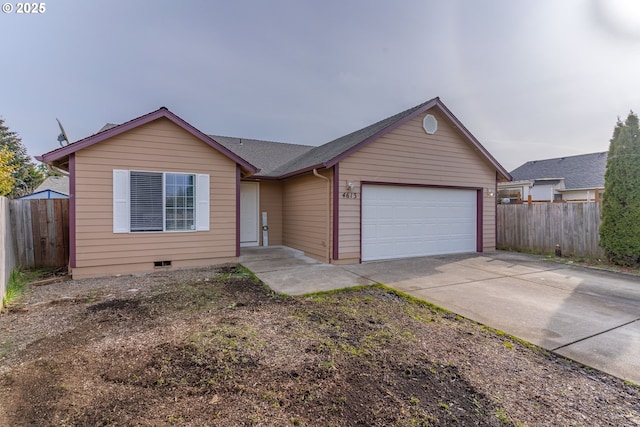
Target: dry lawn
(214, 347)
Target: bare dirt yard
(214, 347)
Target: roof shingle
(319, 156)
(582, 171)
(59, 184)
(265, 155)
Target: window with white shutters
(160, 201)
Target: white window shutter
(121, 216)
(202, 202)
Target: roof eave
(501, 170)
(301, 171)
(580, 189)
(381, 132)
(435, 102)
(163, 112)
(518, 182)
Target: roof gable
(333, 152)
(581, 171)
(59, 155)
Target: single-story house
(155, 192)
(53, 187)
(571, 179)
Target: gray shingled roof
(278, 160)
(275, 159)
(55, 183)
(582, 171)
(329, 151)
(265, 155)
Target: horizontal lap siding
(158, 146)
(271, 203)
(306, 215)
(408, 155)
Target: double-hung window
(160, 201)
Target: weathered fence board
(7, 248)
(41, 232)
(541, 226)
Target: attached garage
(417, 183)
(408, 221)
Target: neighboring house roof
(59, 184)
(582, 171)
(60, 156)
(37, 194)
(107, 127)
(266, 155)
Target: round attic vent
(430, 124)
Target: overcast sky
(530, 79)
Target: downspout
(327, 235)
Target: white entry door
(249, 208)
(401, 222)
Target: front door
(249, 208)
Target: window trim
(122, 202)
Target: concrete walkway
(589, 316)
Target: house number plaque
(349, 195)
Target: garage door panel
(399, 222)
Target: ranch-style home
(156, 192)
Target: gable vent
(430, 124)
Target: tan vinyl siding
(306, 206)
(271, 203)
(159, 146)
(409, 155)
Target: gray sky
(530, 79)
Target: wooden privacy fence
(41, 232)
(540, 227)
(7, 250)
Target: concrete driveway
(589, 316)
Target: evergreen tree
(26, 175)
(6, 171)
(620, 227)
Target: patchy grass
(218, 348)
(598, 264)
(590, 262)
(15, 287)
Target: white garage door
(400, 222)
